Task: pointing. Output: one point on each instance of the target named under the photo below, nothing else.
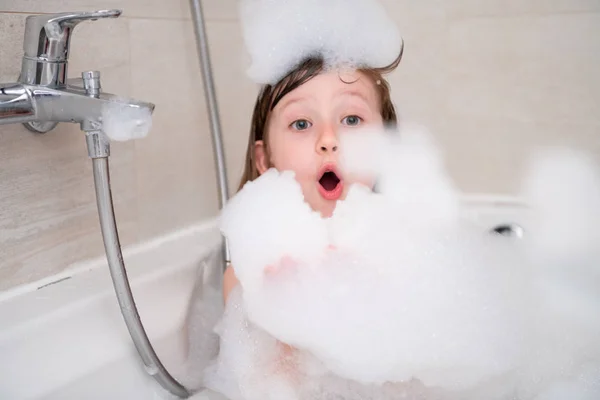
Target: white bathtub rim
(80, 312)
(208, 227)
(91, 280)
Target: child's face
(303, 134)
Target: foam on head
(395, 286)
(279, 34)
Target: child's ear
(260, 155)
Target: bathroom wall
(493, 79)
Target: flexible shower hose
(112, 246)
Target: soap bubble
(278, 34)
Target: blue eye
(352, 120)
(301, 125)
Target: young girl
(295, 127)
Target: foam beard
(279, 34)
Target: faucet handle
(47, 37)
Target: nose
(328, 141)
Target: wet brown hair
(271, 95)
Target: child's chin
(323, 207)
(327, 209)
(326, 214)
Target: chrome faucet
(43, 97)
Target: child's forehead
(339, 79)
(334, 83)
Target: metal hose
(213, 109)
(99, 150)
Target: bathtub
(64, 338)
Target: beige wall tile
(172, 9)
(36, 6)
(411, 12)
(103, 46)
(479, 8)
(48, 216)
(236, 94)
(220, 9)
(418, 81)
(492, 89)
(527, 68)
(489, 156)
(514, 84)
(12, 27)
(174, 164)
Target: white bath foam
(252, 367)
(394, 267)
(404, 295)
(267, 220)
(563, 187)
(430, 311)
(562, 331)
(278, 34)
(121, 122)
(583, 384)
(248, 366)
(409, 169)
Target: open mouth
(329, 181)
(330, 185)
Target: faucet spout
(22, 103)
(16, 104)
(74, 105)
